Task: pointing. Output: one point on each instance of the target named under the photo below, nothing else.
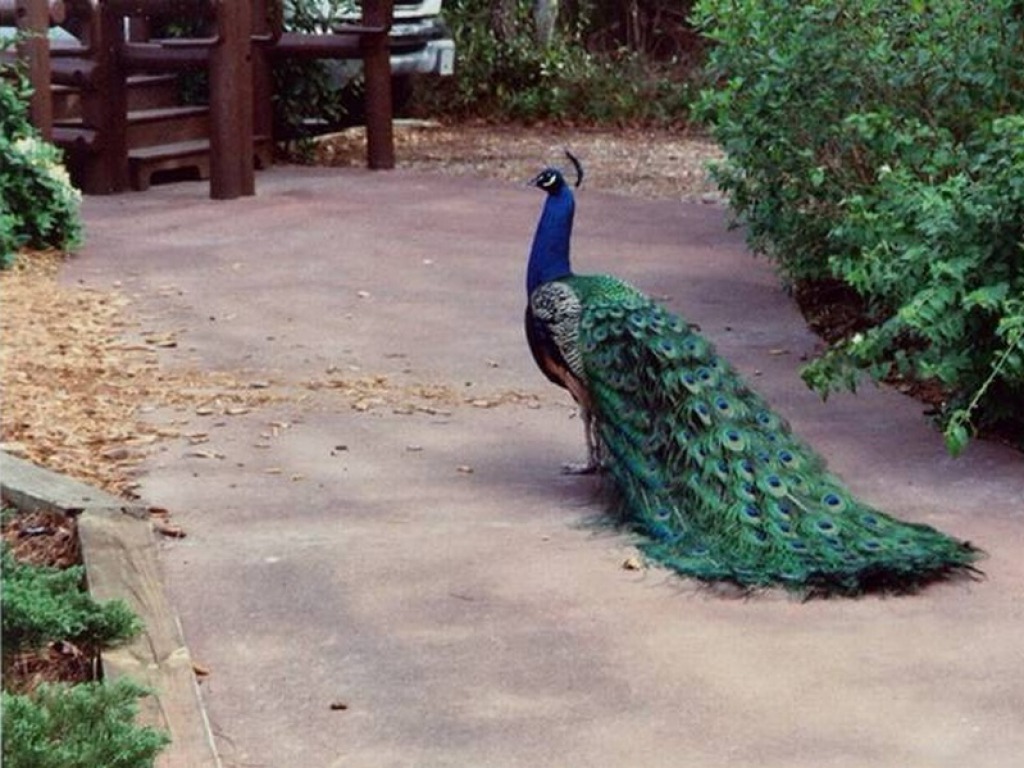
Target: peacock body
(713, 480)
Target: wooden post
(34, 48)
(266, 24)
(231, 117)
(380, 141)
(105, 106)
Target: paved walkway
(422, 565)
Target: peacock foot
(589, 468)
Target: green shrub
(82, 726)
(881, 144)
(304, 90)
(38, 204)
(507, 74)
(56, 725)
(43, 604)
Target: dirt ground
(640, 163)
(76, 368)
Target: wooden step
(73, 71)
(194, 155)
(68, 48)
(145, 92)
(74, 138)
(164, 125)
(154, 57)
(153, 92)
(167, 125)
(143, 162)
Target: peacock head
(551, 180)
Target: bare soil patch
(46, 538)
(650, 163)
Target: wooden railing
(367, 41)
(244, 39)
(33, 18)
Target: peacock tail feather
(712, 479)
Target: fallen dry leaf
(166, 529)
(75, 385)
(205, 454)
(632, 564)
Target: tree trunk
(503, 19)
(545, 15)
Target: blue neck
(549, 256)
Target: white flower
(25, 146)
(59, 174)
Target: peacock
(713, 481)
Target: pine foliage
(43, 604)
(83, 726)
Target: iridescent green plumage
(712, 478)
(714, 481)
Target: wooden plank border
(121, 561)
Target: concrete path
(422, 565)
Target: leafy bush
(304, 90)
(503, 72)
(38, 204)
(82, 726)
(883, 144)
(45, 604)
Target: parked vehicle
(421, 43)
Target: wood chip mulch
(46, 538)
(649, 163)
(74, 380)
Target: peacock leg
(594, 463)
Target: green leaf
(956, 437)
